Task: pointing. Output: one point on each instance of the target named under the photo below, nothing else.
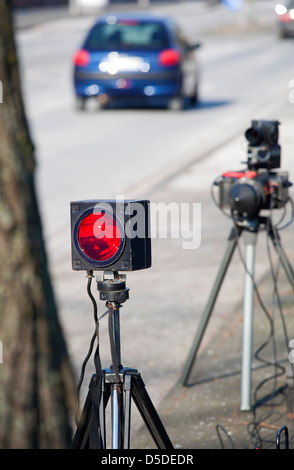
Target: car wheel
(194, 99)
(80, 103)
(176, 103)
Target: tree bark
(37, 390)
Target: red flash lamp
(110, 235)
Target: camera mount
(119, 383)
(112, 287)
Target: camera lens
(254, 136)
(247, 199)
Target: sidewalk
(29, 17)
(206, 414)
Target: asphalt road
(165, 157)
(240, 76)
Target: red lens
(81, 58)
(99, 236)
(169, 57)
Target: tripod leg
(283, 258)
(127, 411)
(149, 414)
(250, 242)
(81, 437)
(209, 306)
(103, 403)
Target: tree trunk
(37, 391)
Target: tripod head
(112, 287)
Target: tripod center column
(250, 244)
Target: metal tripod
(118, 383)
(250, 230)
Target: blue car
(141, 57)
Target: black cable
(238, 224)
(95, 335)
(272, 229)
(275, 230)
(215, 183)
(279, 370)
(221, 428)
(92, 341)
(95, 308)
(95, 431)
(253, 427)
(290, 201)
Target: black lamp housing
(134, 246)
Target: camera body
(246, 192)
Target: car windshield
(124, 35)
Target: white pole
(250, 242)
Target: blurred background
(147, 151)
